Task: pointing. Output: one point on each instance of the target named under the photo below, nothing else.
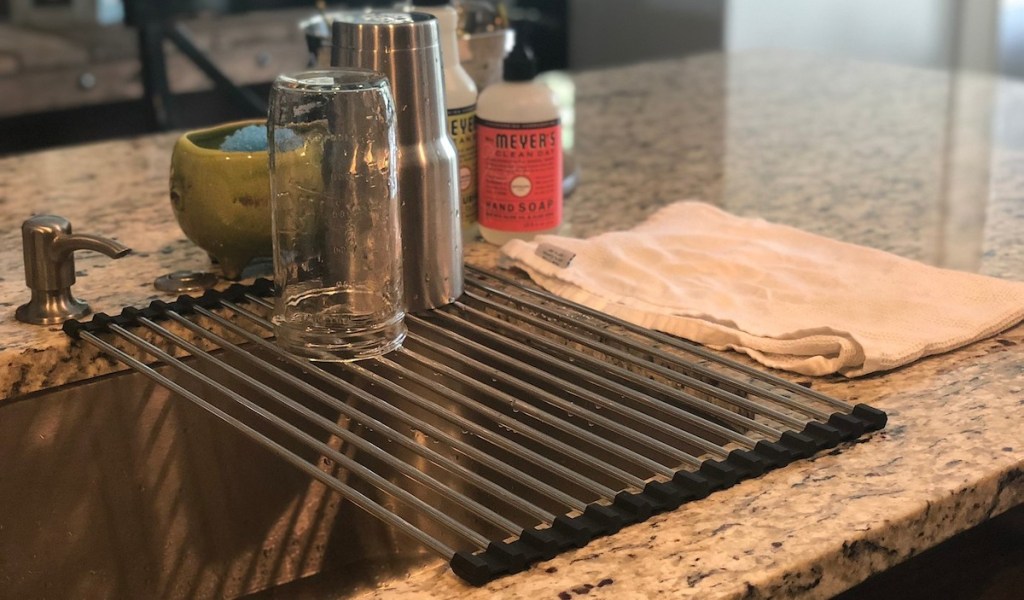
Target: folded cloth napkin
(790, 299)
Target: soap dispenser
(519, 154)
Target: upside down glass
(337, 247)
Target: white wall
(1011, 37)
(925, 33)
(914, 32)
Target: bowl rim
(186, 138)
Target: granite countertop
(921, 163)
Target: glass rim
(331, 80)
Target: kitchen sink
(116, 488)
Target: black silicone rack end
(599, 520)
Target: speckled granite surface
(877, 155)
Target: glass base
(332, 345)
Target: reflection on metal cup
(404, 47)
(337, 266)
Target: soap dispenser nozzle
(49, 248)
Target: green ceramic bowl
(222, 199)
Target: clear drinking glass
(337, 250)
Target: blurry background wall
(70, 69)
(924, 33)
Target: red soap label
(519, 175)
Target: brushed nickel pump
(49, 248)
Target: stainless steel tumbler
(404, 47)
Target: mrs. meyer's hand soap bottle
(519, 155)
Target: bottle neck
(447, 23)
(450, 49)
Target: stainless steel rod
(515, 425)
(252, 316)
(675, 360)
(647, 400)
(466, 449)
(331, 427)
(600, 465)
(502, 442)
(355, 468)
(484, 434)
(629, 433)
(349, 493)
(261, 301)
(680, 344)
(576, 390)
(672, 375)
(680, 395)
(547, 417)
(369, 421)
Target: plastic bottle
(460, 101)
(519, 149)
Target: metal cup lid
(385, 31)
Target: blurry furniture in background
(74, 84)
(544, 25)
(156, 22)
(63, 84)
(611, 32)
(590, 34)
(47, 13)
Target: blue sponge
(253, 138)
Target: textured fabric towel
(790, 299)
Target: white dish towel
(790, 299)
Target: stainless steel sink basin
(118, 489)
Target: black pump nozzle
(519, 64)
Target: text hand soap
(519, 155)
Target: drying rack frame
(531, 343)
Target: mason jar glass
(337, 246)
